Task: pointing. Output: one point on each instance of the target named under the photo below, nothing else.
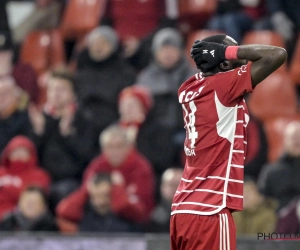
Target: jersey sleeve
(234, 84)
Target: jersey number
(190, 122)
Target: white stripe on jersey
(238, 151)
(213, 177)
(185, 180)
(237, 166)
(208, 191)
(238, 136)
(193, 203)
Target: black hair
(63, 72)
(101, 177)
(218, 38)
(38, 190)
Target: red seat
(43, 50)
(197, 35)
(275, 129)
(194, 14)
(295, 64)
(80, 17)
(273, 97)
(35, 50)
(57, 54)
(265, 37)
(136, 18)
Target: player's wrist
(231, 52)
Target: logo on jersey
(242, 70)
(189, 96)
(205, 51)
(212, 52)
(189, 152)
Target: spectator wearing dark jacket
(164, 75)
(102, 74)
(4, 25)
(65, 137)
(31, 214)
(13, 121)
(160, 217)
(152, 137)
(19, 169)
(98, 215)
(259, 213)
(280, 180)
(289, 218)
(132, 176)
(236, 17)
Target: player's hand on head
(207, 55)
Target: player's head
(225, 40)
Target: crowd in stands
(91, 131)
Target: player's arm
(265, 59)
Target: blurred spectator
(98, 215)
(235, 17)
(259, 214)
(140, 18)
(280, 180)
(152, 138)
(31, 213)
(132, 196)
(137, 25)
(45, 16)
(289, 218)
(13, 121)
(164, 75)
(4, 25)
(257, 148)
(284, 17)
(23, 73)
(19, 169)
(102, 74)
(160, 217)
(65, 137)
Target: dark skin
(265, 60)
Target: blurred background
(91, 131)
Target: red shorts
(203, 232)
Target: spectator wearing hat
(164, 75)
(23, 73)
(102, 74)
(152, 138)
(137, 25)
(19, 169)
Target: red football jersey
(215, 117)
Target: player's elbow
(279, 56)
